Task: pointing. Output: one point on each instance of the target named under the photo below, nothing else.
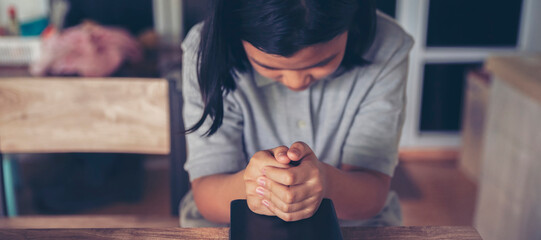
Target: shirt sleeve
(223, 151)
(372, 142)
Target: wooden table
(387, 233)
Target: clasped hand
(275, 188)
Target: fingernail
(281, 154)
(260, 191)
(261, 182)
(265, 202)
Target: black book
(247, 225)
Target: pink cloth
(88, 50)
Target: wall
(26, 9)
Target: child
(267, 82)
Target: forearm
(213, 195)
(356, 194)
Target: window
(479, 23)
(442, 96)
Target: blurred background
(470, 145)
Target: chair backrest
(128, 115)
(123, 115)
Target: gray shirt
(353, 118)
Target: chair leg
(3, 207)
(10, 178)
(180, 183)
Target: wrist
(327, 171)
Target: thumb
(298, 151)
(280, 154)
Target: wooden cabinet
(473, 123)
(510, 184)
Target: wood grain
(388, 233)
(90, 221)
(509, 193)
(118, 233)
(428, 154)
(434, 194)
(509, 196)
(473, 124)
(522, 72)
(405, 233)
(84, 115)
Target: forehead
(306, 56)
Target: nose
(296, 80)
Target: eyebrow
(320, 63)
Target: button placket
(299, 117)
(301, 124)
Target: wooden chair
(116, 115)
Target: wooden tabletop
(365, 233)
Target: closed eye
(319, 64)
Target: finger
(265, 194)
(304, 213)
(290, 207)
(286, 194)
(266, 158)
(286, 176)
(280, 154)
(254, 201)
(264, 198)
(298, 151)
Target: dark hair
(280, 27)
